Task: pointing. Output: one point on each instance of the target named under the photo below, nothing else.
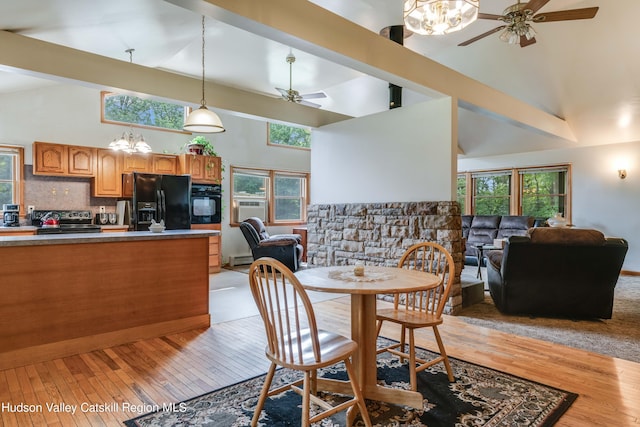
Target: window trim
(515, 207)
(104, 93)
(270, 174)
(18, 174)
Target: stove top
(68, 222)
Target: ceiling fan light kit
(292, 95)
(436, 17)
(517, 20)
(203, 120)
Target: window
(276, 197)
(291, 136)
(539, 192)
(462, 192)
(544, 192)
(131, 110)
(11, 175)
(492, 194)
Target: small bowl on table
(156, 228)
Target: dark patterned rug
(479, 397)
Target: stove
(68, 222)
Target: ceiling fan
(517, 19)
(292, 95)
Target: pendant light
(203, 120)
(130, 142)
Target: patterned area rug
(479, 397)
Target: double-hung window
(11, 160)
(492, 193)
(276, 197)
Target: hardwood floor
(128, 380)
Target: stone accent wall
(379, 233)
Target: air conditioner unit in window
(248, 208)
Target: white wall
(71, 115)
(400, 155)
(600, 199)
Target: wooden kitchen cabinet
(108, 179)
(203, 169)
(215, 246)
(81, 160)
(50, 159)
(136, 163)
(164, 163)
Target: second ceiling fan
(292, 95)
(518, 19)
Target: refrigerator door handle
(164, 206)
(159, 213)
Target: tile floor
(230, 297)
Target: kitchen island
(63, 294)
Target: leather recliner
(286, 248)
(557, 272)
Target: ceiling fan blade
(567, 15)
(314, 95)
(524, 42)
(309, 104)
(535, 5)
(481, 36)
(283, 92)
(489, 16)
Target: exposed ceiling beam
(308, 27)
(42, 59)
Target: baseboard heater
(240, 260)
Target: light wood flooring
(181, 366)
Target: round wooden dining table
(363, 290)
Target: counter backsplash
(63, 193)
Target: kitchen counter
(67, 239)
(64, 294)
(21, 229)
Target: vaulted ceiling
(584, 72)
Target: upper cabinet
(203, 169)
(108, 179)
(50, 159)
(82, 161)
(164, 163)
(136, 162)
(107, 167)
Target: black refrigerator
(161, 197)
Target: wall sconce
(622, 173)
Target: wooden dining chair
(421, 309)
(295, 342)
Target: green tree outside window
(289, 135)
(128, 109)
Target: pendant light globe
(203, 120)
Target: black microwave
(206, 203)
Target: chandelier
(130, 143)
(435, 17)
(516, 17)
(203, 120)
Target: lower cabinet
(215, 246)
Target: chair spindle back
(285, 309)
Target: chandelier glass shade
(130, 143)
(203, 120)
(436, 17)
(516, 17)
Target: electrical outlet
(102, 209)
(30, 209)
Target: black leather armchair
(557, 272)
(286, 248)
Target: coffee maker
(11, 216)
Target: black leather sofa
(286, 248)
(484, 229)
(556, 272)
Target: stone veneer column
(379, 233)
